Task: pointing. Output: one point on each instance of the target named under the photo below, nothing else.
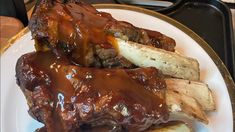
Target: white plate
(14, 116)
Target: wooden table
(9, 26)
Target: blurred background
(213, 20)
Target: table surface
(9, 27)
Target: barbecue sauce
(78, 26)
(132, 98)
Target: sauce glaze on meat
(80, 31)
(65, 97)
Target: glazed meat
(82, 33)
(66, 97)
